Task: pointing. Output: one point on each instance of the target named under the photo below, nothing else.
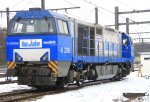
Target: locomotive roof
(38, 14)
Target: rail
(27, 94)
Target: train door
(64, 40)
(83, 41)
(92, 41)
(98, 42)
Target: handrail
(101, 48)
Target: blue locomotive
(49, 49)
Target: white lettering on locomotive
(30, 43)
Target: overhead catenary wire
(21, 1)
(139, 34)
(125, 4)
(27, 4)
(33, 3)
(98, 6)
(75, 5)
(127, 7)
(16, 4)
(98, 10)
(105, 9)
(87, 14)
(69, 3)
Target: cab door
(64, 41)
(126, 49)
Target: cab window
(131, 41)
(125, 41)
(63, 27)
(98, 31)
(32, 26)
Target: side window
(125, 41)
(63, 28)
(30, 28)
(51, 25)
(98, 31)
(18, 27)
(60, 26)
(131, 42)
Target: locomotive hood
(31, 48)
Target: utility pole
(43, 4)
(96, 15)
(8, 16)
(116, 18)
(127, 25)
(142, 44)
(117, 13)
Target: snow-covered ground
(4, 79)
(12, 87)
(107, 92)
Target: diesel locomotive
(49, 49)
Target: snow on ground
(4, 79)
(107, 92)
(11, 87)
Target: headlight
(18, 58)
(44, 57)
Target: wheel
(80, 83)
(61, 82)
(117, 77)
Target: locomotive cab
(127, 46)
(128, 50)
(37, 43)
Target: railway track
(2, 75)
(14, 96)
(29, 94)
(8, 82)
(33, 94)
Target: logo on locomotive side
(51, 42)
(30, 43)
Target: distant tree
(2, 45)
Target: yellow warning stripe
(53, 64)
(8, 63)
(53, 68)
(14, 66)
(11, 65)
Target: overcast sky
(86, 12)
